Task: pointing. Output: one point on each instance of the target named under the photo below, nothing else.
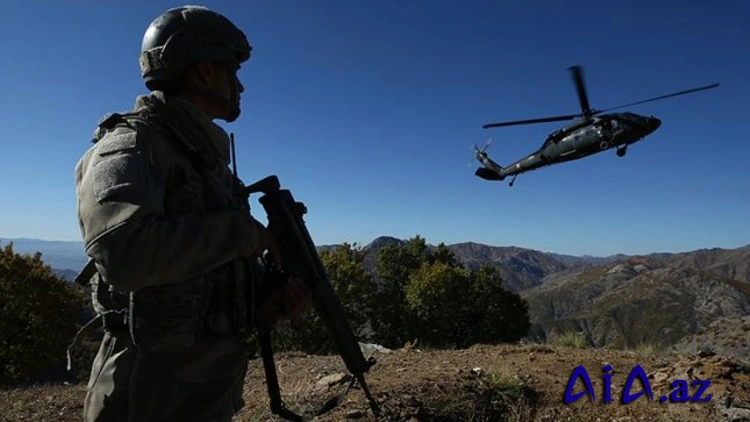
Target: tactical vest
(216, 304)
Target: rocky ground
(484, 383)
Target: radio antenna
(234, 156)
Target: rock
(617, 268)
(641, 268)
(368, 348)
(660, 376)
(354, 414)
(333, 379)
(733, 410)
(735, 414)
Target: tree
(426, 294)
(436, 296)
(38, 313)
(394, 265)
(496, 315)
(353, 285)
(444, 255)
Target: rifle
(300, 258)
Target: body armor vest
(216, 304)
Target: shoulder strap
(84, 277)
(108, 123)
(200, 156)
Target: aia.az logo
(679, 394)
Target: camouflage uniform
(161, 220)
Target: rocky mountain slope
(627, 305)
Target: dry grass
(476, 397)
(48, 402)
(650, 349)
(570, 339)
(484, 383)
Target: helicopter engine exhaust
(604, 145)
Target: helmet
(185, 35)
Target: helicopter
(592, 133)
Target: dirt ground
(442, 385)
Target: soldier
(175, 250)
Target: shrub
(38, 313)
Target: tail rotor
(480, 154)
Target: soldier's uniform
(161, 219)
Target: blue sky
(367, 111)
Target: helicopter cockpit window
(632, 118)
(628, 119)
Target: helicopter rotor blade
(583, 97)
(661, 97)
(530, 121)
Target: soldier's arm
(126, 231)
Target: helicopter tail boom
(488, 174)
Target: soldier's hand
(288, 302)
(266, 242)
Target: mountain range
(521, 266)
(698, 300)
(66, 258)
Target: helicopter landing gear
(622, 151)
(513, 180)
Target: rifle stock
(300, 259)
